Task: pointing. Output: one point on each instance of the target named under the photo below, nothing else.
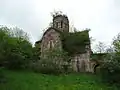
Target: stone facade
(81, 63)
(61, 23)
(51, 39)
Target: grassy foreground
(22, 80)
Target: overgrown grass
(24, 80)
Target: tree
(3, 38)
(111, 66)
(116, 43)
(55, 13)
(100, 47)
(19, 33)
(36, 52)
(16, 50)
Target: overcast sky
(33, 16)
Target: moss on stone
(75, 42)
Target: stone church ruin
(77, 44)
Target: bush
(111, 68)
(55, 62)
(47, 67)
(15, 48)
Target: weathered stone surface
(61, 22)
(51, 39)
(81, 62)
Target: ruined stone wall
(50, 40)
(61, 23)
(81, 62)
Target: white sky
(33, 16)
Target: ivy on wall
(75, 42)
(97, 56)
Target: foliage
(100, 47)
(36, 54)
(56, 61)
(36, 51)
(75, 42)
(24, 80)
(111, 66)
(16, 50)
(116, 43)
(98, 57)
(2, 76)
(57, 13)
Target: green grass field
(24, 80)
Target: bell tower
(61, 23)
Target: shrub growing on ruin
(55, 62)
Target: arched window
(50, 44)
(59, 25)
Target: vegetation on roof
(75, 42)
(98, 56)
